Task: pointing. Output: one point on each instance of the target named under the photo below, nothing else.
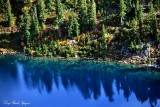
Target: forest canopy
(80, 27)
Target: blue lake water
(26, 82)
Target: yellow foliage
(3, 50)
(109, 37)
(63, 43)
(32, 0)
(26, 8)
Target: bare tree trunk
(121, 21)
(59, 32)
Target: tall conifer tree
(35, 24)
(6, 9)
(153, 22)
(83, 14)
(92, 15)
(41, 13)
(59, 12)
(59, 15)
(140, 20)
(122, 10)
(73, 28)
(27, 25)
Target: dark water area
(26, 82)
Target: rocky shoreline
(134, 60)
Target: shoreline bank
(119, 62)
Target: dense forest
(81, 28)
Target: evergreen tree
(130, 4)
(2, 9)
(7, 11)
(1, 6)
(75, 3)
(27, 20)
(157, 3)
(35, 24)
(136, 8)
(59, 15)
(151, 20)
(134, 30)
(102, 39)
(73, 29)
(83, 15)
(48, 4)
(140, 20)
(59, 12)
(103, 34)
(122, 10)
(76, 26)
(27, 38)
(26, 28)
(92, 15)
(70, 27)
(41, 13)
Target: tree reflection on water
(88, 77)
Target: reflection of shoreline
(14, 102)
(96, 60)
(88, 76)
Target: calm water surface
(26, 82)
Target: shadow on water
(8, 67)
(90, 77)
